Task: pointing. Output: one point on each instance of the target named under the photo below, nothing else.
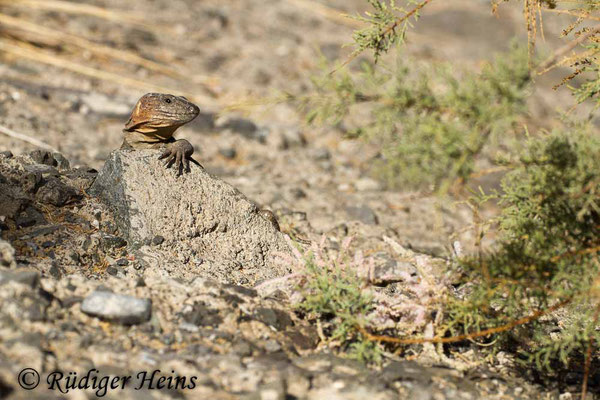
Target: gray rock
(392, 271)
(196, 213)
(228, 152)
(101, 104)
(30, 278)
(119, 308)
(57, 193)
(242, 126)
(7, 255)
(367, 185)
(63, 163)
(43, 157)
(363, 214)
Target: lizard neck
(147, 137)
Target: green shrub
(430, 126)
(333, 295)
(547, 253)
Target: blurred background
(71, 71)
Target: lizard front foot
(180, 154)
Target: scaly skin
(152, 123)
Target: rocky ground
(190, 296)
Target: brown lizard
(152, 123)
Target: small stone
(272, 346)
(30, 278)
(112, 242)
(242, 348)
(71, 301)
(112, 270)
(363, 214)
(272, 317)
(229, 153)
(48, 243)
(63, 163)
(158, 240)
(55, 271)
(243, 126)
(367, 185)
(298, 193)
(122, 262)
(6, 153)
(7, 255)
(321, 154)
(43, 157)
(391, 271)
(118, 308)
(200, 315)
(26, 220)
(31, 182)
(57, 193)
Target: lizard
(152, 123)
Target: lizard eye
(168, 101)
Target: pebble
(158, 240)
(228, 152)
(30, 278)
(363, 214)
(124, 309)
(57, 193)
(367, 185)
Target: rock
(367, 185)
(63, 163)
(127, 310)
(43, 157)
(30, 278)
(6, 153)
(228, 152)
(321, 154)
(277, 319)
(157, 240)
(392, 271)
(7, 255)
(29, 217)
(363, 214)
(286, 137)
(57, 193)
(102, 104)
(200, 315)
(200, 215)
(242, 126)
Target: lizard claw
(178, 153)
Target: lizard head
(157, 113)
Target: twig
(85, 9)
(552, 60)
(22, 50)
(16, 135)
(588, 356)
(68, 39)
(405, 17)
(387, 30)
(466, 336)
(328, 12)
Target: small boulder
(123, 309)
(197, 214)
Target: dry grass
(24, 39)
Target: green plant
(433, 125)
(333, 295)
(548, 248)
